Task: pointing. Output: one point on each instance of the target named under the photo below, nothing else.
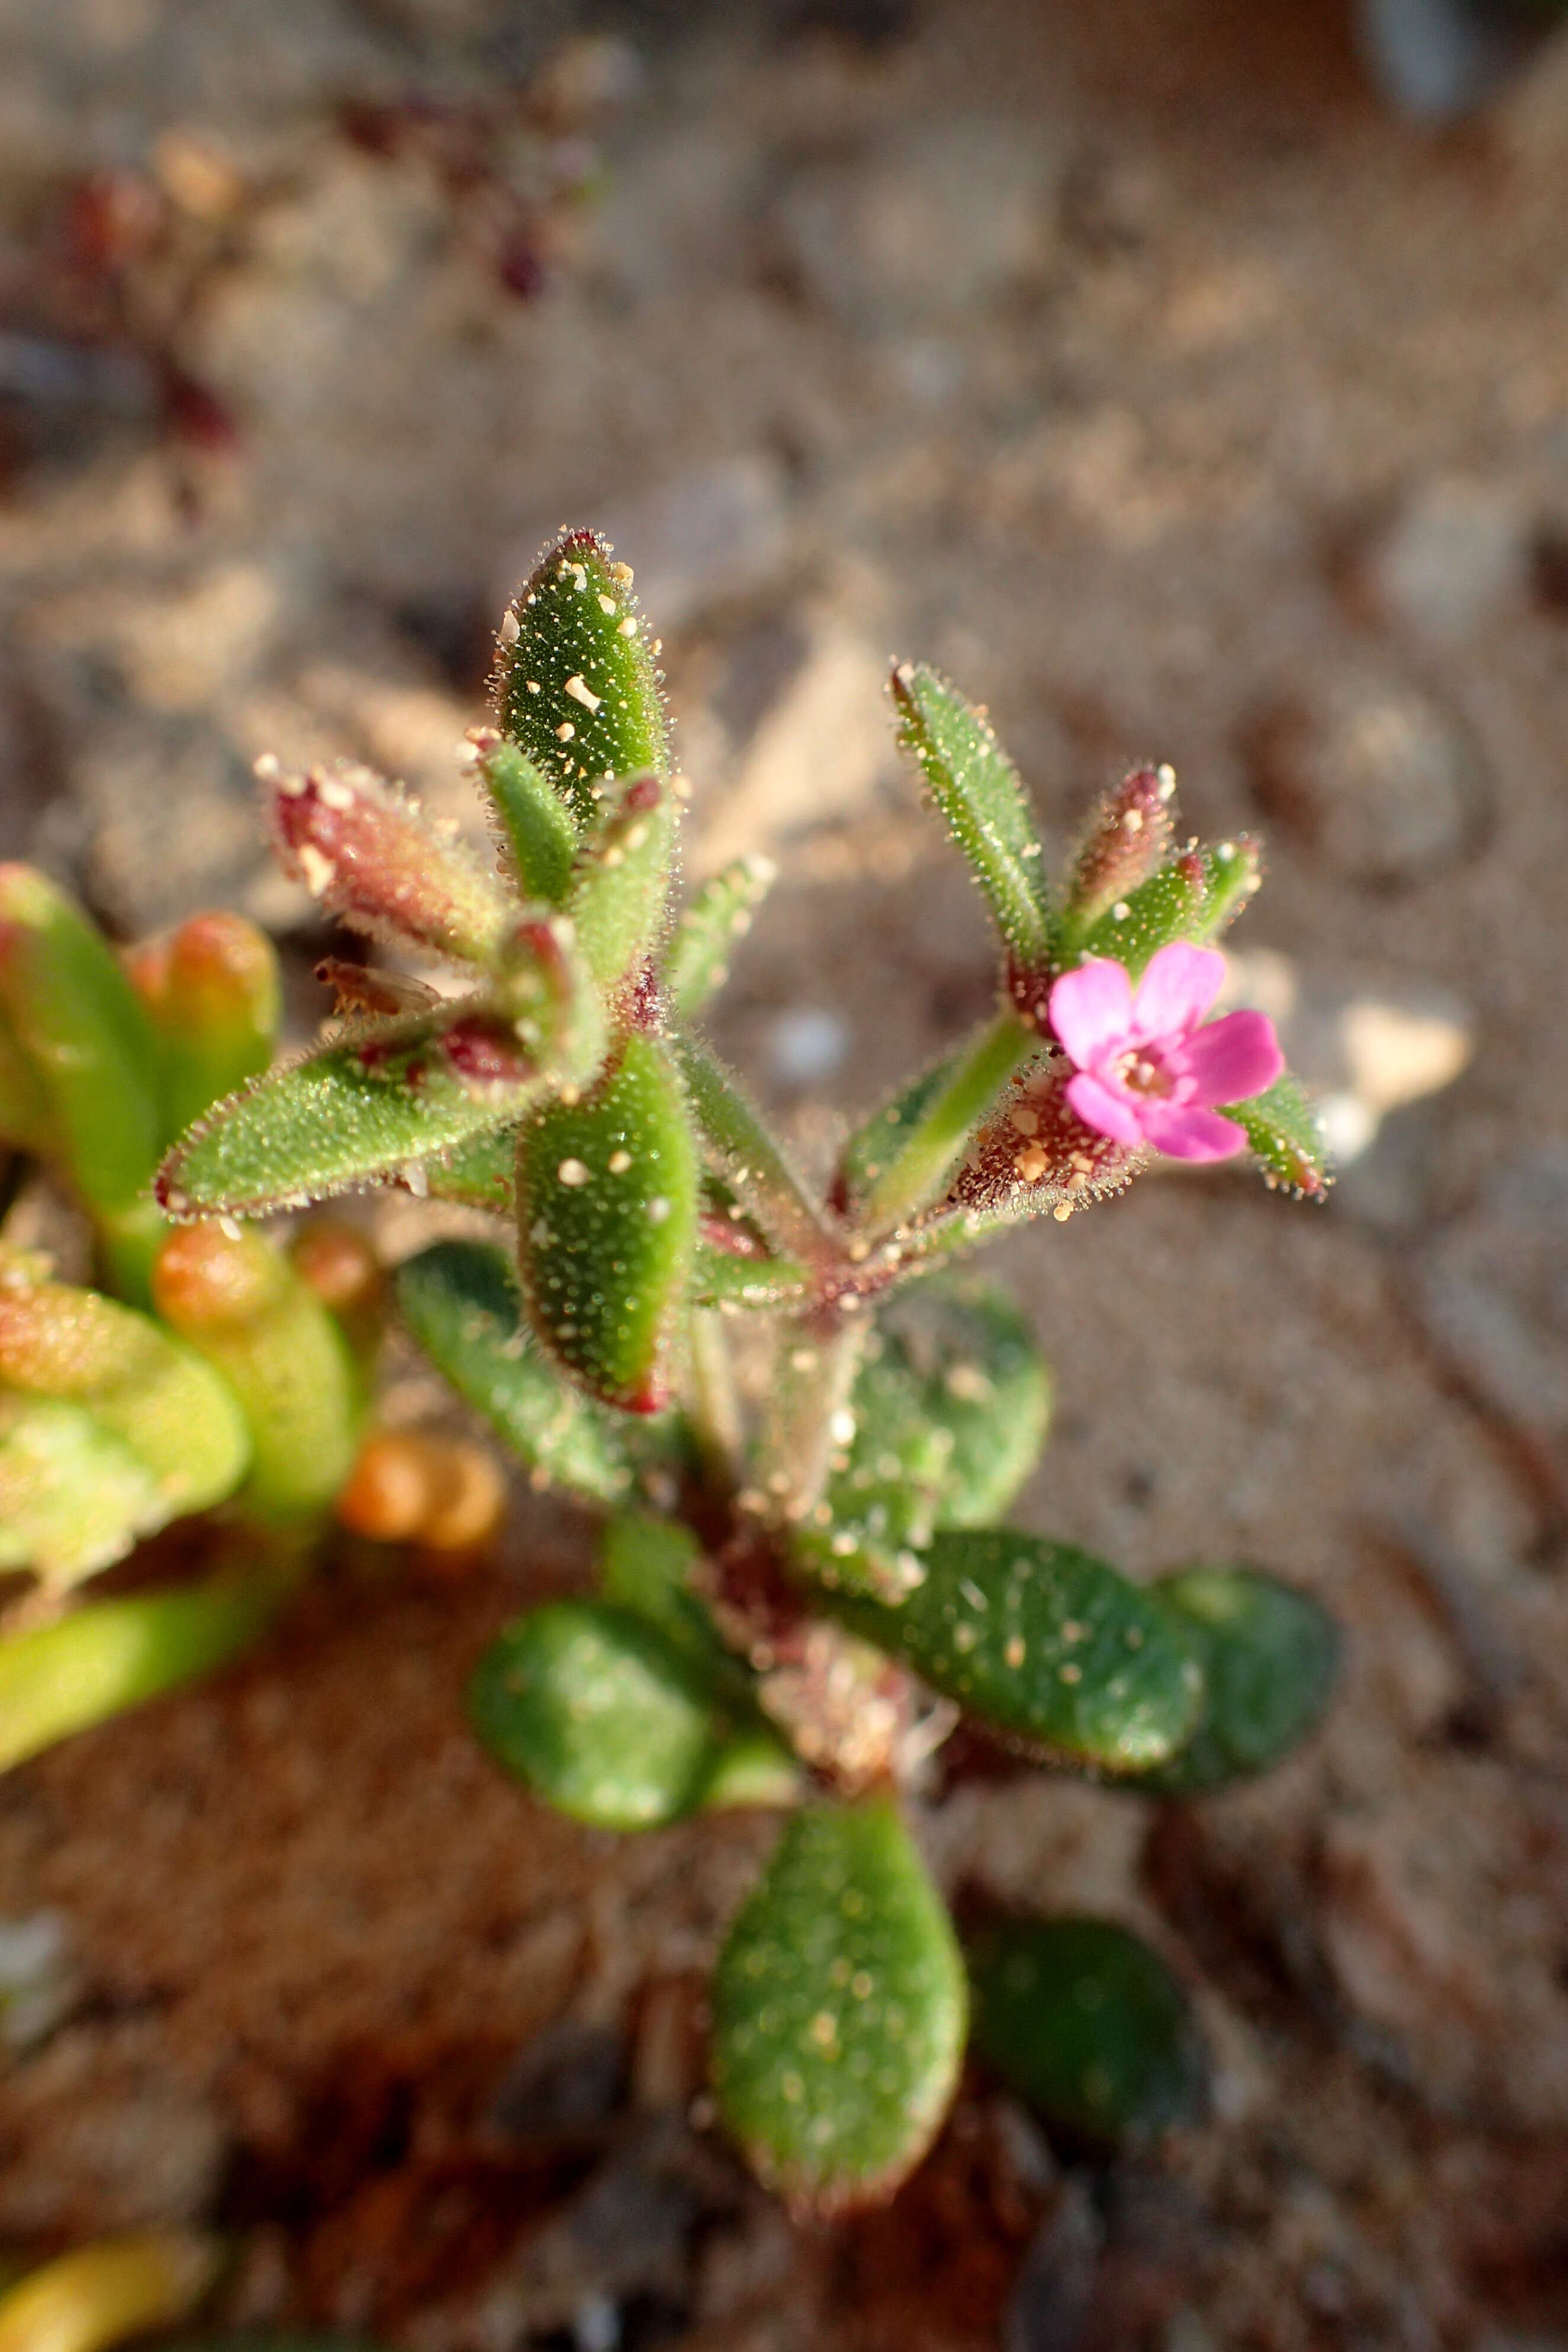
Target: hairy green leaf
(599, 1713)
(918, 1165)
(1192, 898)
(537, 832)
(1045, 1642)
(1270, 1656)
(606, 1211)
(1285, 1137)
(644, 1565)
(1128, 839)
(839, 2006)
(367, 1111)
(622, 881)
(721, 1278)
(1089, 2027)
(977, 789)
(696, 963)
(461, 1302)
(575, 683)
(480, 1174)
(874, 1146)
(367, 854)
(742, 1153)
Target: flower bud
(368, 856)
(1129, 839)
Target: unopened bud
(368, 857)
(1128, 839)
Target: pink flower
(1149, 1069)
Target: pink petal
(1091, 1010)
(1188, 1133)
(1106, 1113)
(1180, 985)
(1234, 1058)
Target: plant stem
(818, 1356)
(713, 1403)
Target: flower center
(1144, 1071)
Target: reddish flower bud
(1129, 839)
(369, 858)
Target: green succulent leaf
(74, 1498)
(606, 1210)
(460, 1301)
(696, 963)
(213, 992)
(1270, 1656)
(599, 1713)
(752, 1768)
(1192, 898)
(538, 835)
(76, 1023)
(106, 1656)
(478, 1174)
(1046, 1643)
(242, 1304)
(951, 1406)
(977, 789)
(622, 884)
(1285, 1138)
(25, 1121)
(723, 1279)
(840, 2006)
(367, 1111)
(109, 1429)
(1089, 2027)
(575, 687)
(644, 1565)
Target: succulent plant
(209, 1371)
(806, 1576)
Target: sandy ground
(1134, 367)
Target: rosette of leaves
(803, 1425)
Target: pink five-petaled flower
(1148, 1068)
